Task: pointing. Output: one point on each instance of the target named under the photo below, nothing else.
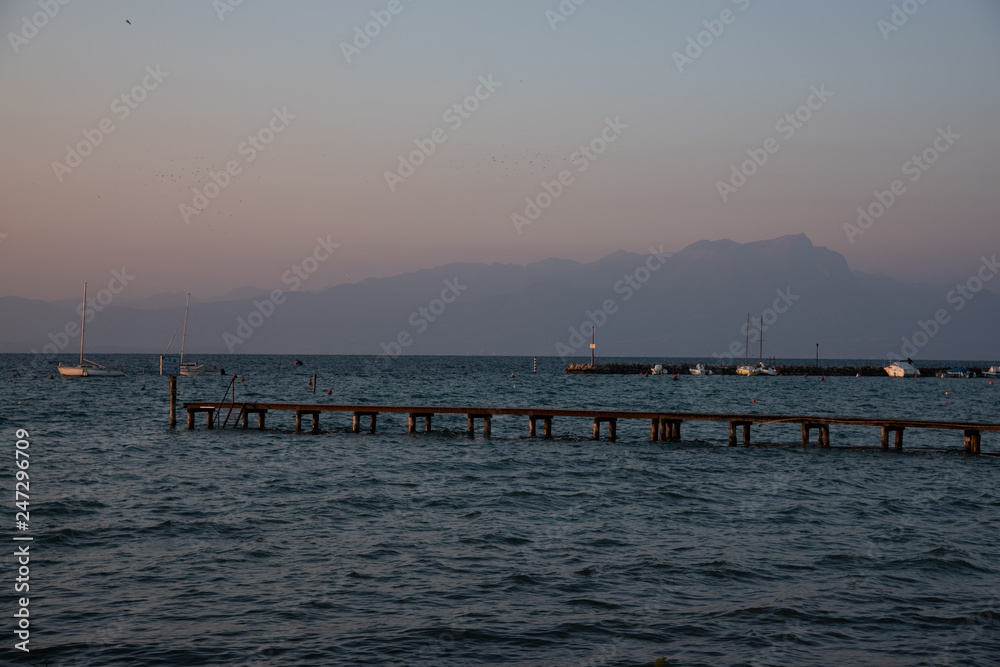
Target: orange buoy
(805, 375)
(755, 400)
(329, 391)
(241, 379)
(52, 377)
(821, 379)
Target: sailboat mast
(184, 332)
(83, 321)
(746, 348)
(760, 354)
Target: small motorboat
(296, 363)
(699, 369)
(956, 373)
(763, 369)
(656, 370)
(993, 372)
(902, 369)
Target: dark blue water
(229, 547)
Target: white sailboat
(87, 368)
(746, 369)
(762, 368)
(193, 367)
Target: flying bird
(127, 21)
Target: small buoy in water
(991, 381)
(512, 375)
(805, 375)
(52, 377)
(821, 379)
(309, 383)
(142, 388)
(329, 391)
(241, 379)
(143, 371)
(945, 393)
(755, 400)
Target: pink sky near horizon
(323, 175)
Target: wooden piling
(654, 430)
(173, 401)
(973, 439)
(547, 427)
(597, 429)
(211, 418)
(298, 421)
(531, 426)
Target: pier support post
(260, 419)
(211, 418)
(612, 429)
(411, 422)
(597, 429)
(746, 433)
(824, 435)
(488, 426)
(732, 434)
(315, 428)
(654, 430)
(374, 418)
(675, 430)
(531, 426)
(246, 418)
(427, 423)
(173, 401)
(190, 419)
(805, 434)
(472, 427)
(298, 421)
(356, 424)
(886, 429)
(973, 439)
(547, 427)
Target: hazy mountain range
(692, 303)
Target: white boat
(87, 368)
(656, 370)
(902, 369)
(193, 367)
(746, 369)
(699, 369)
(993, 372)
(763, 369)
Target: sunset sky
(612, 73)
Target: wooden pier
(664, 426)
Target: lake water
(235, 547)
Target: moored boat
(900, 369)
(87, 368)
(699, 369)
(956, 373)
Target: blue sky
(325, 173)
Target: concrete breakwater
(730, 369)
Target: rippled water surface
(269, 547)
